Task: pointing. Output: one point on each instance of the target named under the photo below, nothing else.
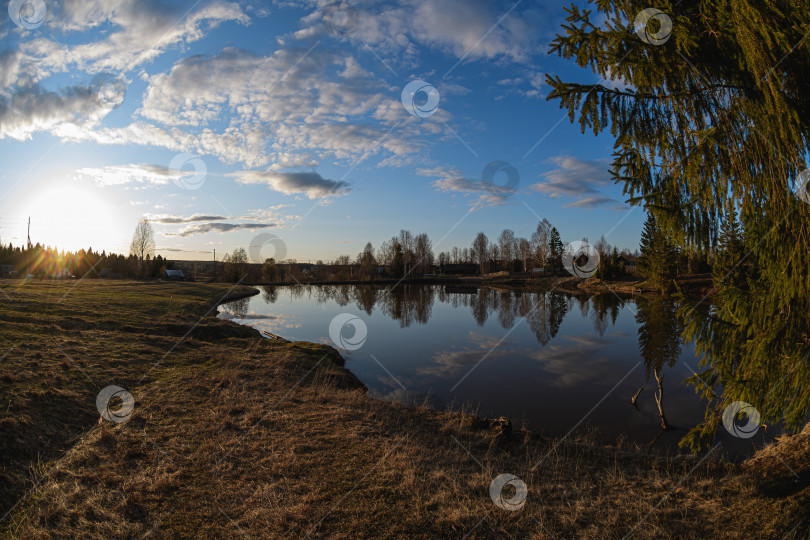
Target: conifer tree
(714, 113)
(556, 248)
(729, 260)
(658, 256)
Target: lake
(557, 363)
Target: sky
(318, 125)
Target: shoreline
(694, 286)
(570, 285)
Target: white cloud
(531, 85)
(293, 108)
(470, 29)
(283, 106)
(33, 109)
(579, 180)
(128, 174)
(141, 31)
(450, 180)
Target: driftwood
(634, 399)
(274, 336)
(659, 400)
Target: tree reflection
(546, 314)
(605, 306)
(659, 342)
(410, 304)
(481, 305)
(269, 294)
(659, 333)
(239, 308)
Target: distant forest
(403, 255)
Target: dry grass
(240, 436)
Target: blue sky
(220, 121)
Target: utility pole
(28, 251)
(215, 266)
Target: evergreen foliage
(716, 116)
(658, 260)
(730, 257)
(556, 248)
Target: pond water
(554, 362)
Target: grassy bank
(236, 435)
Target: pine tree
(715, 115)
(657, 262)
(730, 259)
(556, 249)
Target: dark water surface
(558, 363)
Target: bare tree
(236, 265)
(479, 250)
(525, 251)
(385, 253)
(143, 241)
(423, 251)
(494, 255)
(603, 248)
(407, 242)
(540, 243)
(507, 246)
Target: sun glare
(71, 218)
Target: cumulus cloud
(283, 107)
(140, 31)
(465, 29)
(287, 109)
(311, 184)
(32, 109)
(579, 180)
(293, 108)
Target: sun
(72, 217)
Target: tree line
(412, 255)
(48, 262)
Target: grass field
(234, 435)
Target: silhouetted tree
(143, 240)
(479, 250)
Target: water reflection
(413, 304)
(543, 357)
(659, 333)
(239, 308)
